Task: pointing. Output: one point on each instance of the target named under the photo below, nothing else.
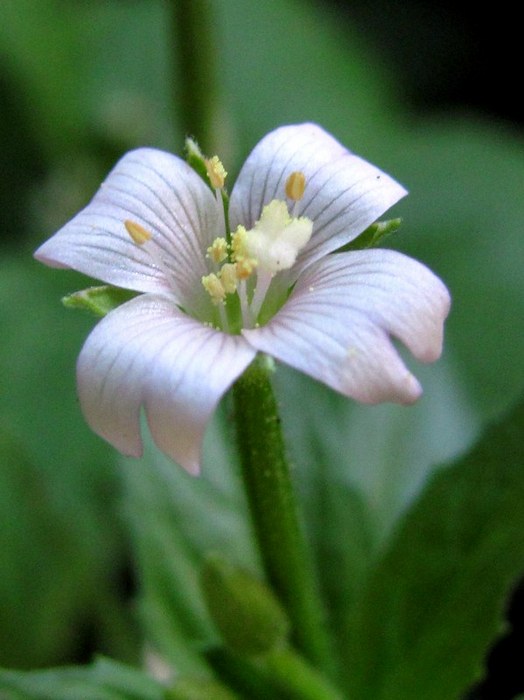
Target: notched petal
(343, 195)
(149, 354)
(159, 193)
(338, 324)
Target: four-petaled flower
(216, 292)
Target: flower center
(244, 264)
(245, 267)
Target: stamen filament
(223, 317)
(221, 214)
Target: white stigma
(277, 238)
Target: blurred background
(420, 88)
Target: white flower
(215, 293)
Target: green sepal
(373, 235)
(98, 300)
(198, 688)
(245, 611)
(196, 159)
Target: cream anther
(214, 288)
(217, 251)
(138, 233)
(245, 267)
(245, 263)
(229, 278)
(216, 172)
(295, 186)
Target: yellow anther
(214, 288)
(229, 278)
(215, 172)
(217, 251)
(138, 233)
(245, 267)
(295, 186)
(238, 243)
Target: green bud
(98, 300)
(373, 235)
(195, 158)
(245, 611)
(198, 689)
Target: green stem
(272, 503)
(196, 61)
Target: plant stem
(196, 95)
(273, 508)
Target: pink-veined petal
(148, 353)
(344, 194)
(161, 193)
(338, 323)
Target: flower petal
(148, 353)
(344, 194)
(336, 325)
(164, 195)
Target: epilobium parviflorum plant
(219, 286)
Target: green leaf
(463, 218)
(307, 46)
(103, 680)
(62, 539)
(98, 300)
(124, 101)
(433, 602)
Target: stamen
(245, 263)
(239, 243)
(245, 267)
(138, 233)
(229, 278)
(295, 186)
(217, 251)
(216, 172)
(145, 239)
(214, 288)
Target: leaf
(343, 84)
(62, 540)
(464, 219)
(103, 680)
(433, 602)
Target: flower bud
(247, 614)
